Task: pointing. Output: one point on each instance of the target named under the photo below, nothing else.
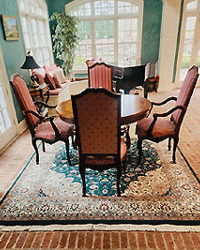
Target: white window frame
(196, 40)
(115, 17)
(37, 51)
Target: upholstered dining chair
(100, 75)
(160, 127)
(96, 114)
(41, 128)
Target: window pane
(84, 31)
(82, 10)
(127, 30)
(188, 42)
(126, 7)
(104, 31)
(2, 126)
(6, 118)
(106, 52)
(2, 101)
(103, 8)
(83, 52)
(127, 54)
(192, 5)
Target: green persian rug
(155, 191)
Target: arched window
(190, 42)
(36, 32)
(108, 29)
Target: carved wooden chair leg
(43, 146)
(139, 146)
(174, 150)
(82, 172)
(67, 151)
(169, 144)
(124, 166)
(36, 151)
(118, 180)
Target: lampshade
(30, 63)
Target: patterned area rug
(156, 191)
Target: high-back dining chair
(100, 75)
(159, 127)
(41, 128)
(96, 114)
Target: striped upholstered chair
(41, 128)
(96, 115)
(100, 75)
(159, 127)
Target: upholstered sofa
(60, 88)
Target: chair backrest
(185, 94)
(96, 115)
(100, 75)
(24, 98)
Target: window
(108, 29)
(190, 44)
(36, 32)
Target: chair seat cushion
(163, 128)
(45, 130)
(108, 160)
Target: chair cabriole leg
(36, 151)
(139, 146)
(118, 180)
(67, 151)
(82, 172)
(169, 144)
(174, 150)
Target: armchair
(96, 115)
(159, 127)
(41, 128)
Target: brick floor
(100, 240)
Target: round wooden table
(133, 108)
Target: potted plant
(65, 39)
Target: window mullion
(93, 36)
(116, 33)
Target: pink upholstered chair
(159, 127)
(100, 75)
(96, 115)
(41, 128)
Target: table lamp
(31, 64)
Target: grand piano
(128, 78)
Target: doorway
(8, 118)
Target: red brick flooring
(100, 240)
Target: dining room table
(133, 109)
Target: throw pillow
(56, 80)
(49, 80)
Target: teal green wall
(152, 18)
(13, 51)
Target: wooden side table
(38, 94)
(40, 91)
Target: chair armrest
(40, 103)
(172, 98)
(156, 115)
(43, 119)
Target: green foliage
(65, 39)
